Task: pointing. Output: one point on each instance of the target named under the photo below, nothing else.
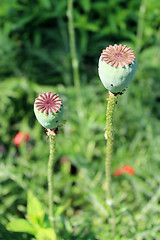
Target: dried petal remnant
(48, 103)
(118, 55)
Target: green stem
(109, 134)
(75, 65)
(50, 179)
(140, 25)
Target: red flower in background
(125, 169)
(20, 137)
(128, 169)
(118, 172)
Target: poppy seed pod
(117, 66)
(48, 109)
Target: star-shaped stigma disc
(118, 55)
(48, 103)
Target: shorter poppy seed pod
(117, 66)
(48, 109)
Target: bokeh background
(35, 57)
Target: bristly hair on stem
(50, 178)
(109, 136)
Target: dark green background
(35, 57)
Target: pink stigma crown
(48, 103)
(118, 55)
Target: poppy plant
(116, 68)
(48, 109)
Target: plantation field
(36, 56)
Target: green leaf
(21, 225)
(86, 5)
(46, 4)
(35, 212)
(46, 234)
(61, 209)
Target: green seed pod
(48, 109)
(117, 66)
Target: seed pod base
(116, 79)
(49, 121)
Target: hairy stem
(75, 65)
(50, 179)
(109, 135)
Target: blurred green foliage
(35, 57)
(34, 36)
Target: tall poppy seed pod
(117, 66)
(48, 109)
